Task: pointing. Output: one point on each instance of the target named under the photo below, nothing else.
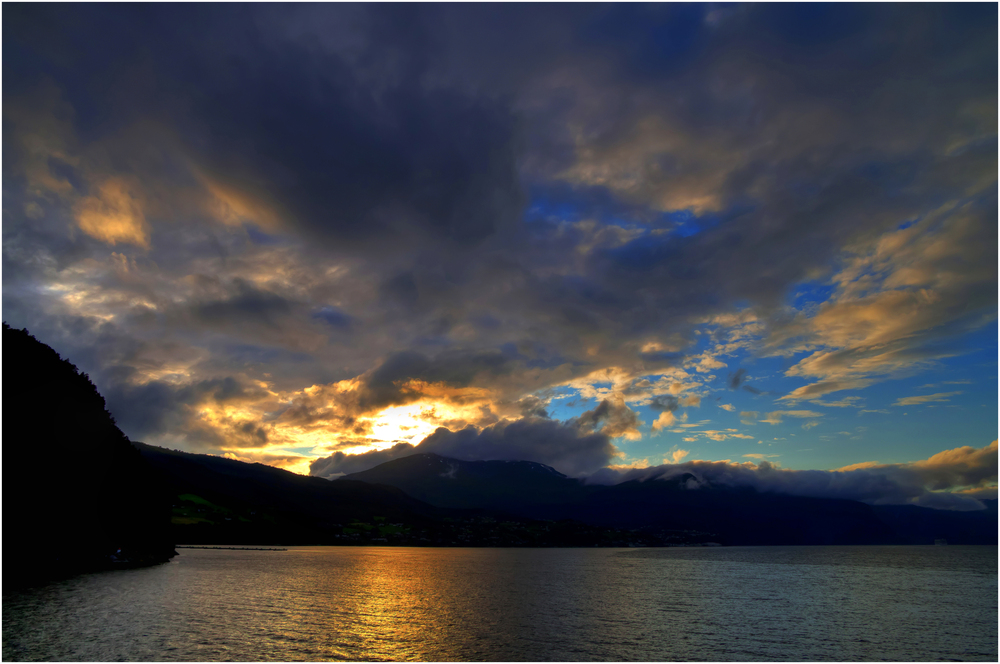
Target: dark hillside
(664, 507)
(513, 486)
(736, 515)
(674, 510)
(75, 490)
(222, 501)
(922, 525)
(219, 500)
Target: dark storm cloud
(613, 417)
(736, 379)
(349, 159)
(347, 144)
(333, 316)
(567, 448)
(386, 385)
(532, 406)
(247, 305)
(664, 403)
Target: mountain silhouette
(679, 509)
(270, 505)
(77, 494)
(512, 486)
(224, 501)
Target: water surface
(329, 603)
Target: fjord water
(328, 603)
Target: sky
(755, 240)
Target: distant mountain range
(430, 500)
(678, 509)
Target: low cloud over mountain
(569, 448)
(952, 479)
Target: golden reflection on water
(435, 605)
(390, 604)
(367, 604)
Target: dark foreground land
(78, 496)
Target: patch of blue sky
(810, 294)
(554, 209)
(685, 223)
(972, 373)
(305, 451)
(557, 201)
(332, 316)
(564, 409)
(916, 431)
(563, 392)
(979, 365)
(561, 202)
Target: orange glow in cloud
(114, 215)
(401, 424)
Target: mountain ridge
(680, 503)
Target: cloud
(776, 416)
(736, 379)
(962, 466)
(568, 448)
(113, 215)
(925, 398)
(846, 402)
(339, 463)
(727, 406)
(614, 419)
(895, 301)
(665, 420)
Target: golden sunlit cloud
(114, 215)
(676, 456)
(666, 419)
